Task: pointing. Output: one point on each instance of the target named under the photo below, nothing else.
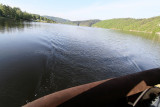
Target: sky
(89, 9)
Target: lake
(37, 59)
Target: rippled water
(38, 58)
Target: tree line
(17, 14)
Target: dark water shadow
(10, 25)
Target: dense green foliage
(86, 22)
(17, 14)
(150, 25)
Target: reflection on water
(7, 25)
(38, 58)
(152, 37)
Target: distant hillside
(59, 20)
(78, 23)
(85, 22)
(150, 25)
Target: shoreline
(156, 33)
(25, 20)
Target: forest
(18, 14)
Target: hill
(150, 25)
(85, 22)
(59, 20)
(78, 23)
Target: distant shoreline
(157, 33)
(24, 20)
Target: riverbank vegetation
(150, 25)
(17, 14)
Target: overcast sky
(89, 9)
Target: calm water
(38, 58)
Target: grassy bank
(150, 25)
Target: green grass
(150, 25)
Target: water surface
(39, 58)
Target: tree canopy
(17, 14)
